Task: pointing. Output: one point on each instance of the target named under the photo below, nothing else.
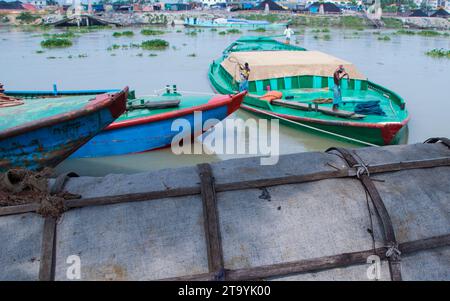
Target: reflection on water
(399, 64)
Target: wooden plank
(302, 266)
(283, 180)
(47, 263)
(197, 277)
(425, 244)
(331, 262)
(178, 192)
(211, 219)
(324, 110)
(380, 208)
(153, 105)
(19, 209)
(133, 197)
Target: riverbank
(177, 18)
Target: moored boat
(147, 123)
(41, 128)
(296, 86)
(232, 23)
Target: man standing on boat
(288, 33)
(338, 75)
(245, 74)
(2, 90)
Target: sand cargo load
(313, 216)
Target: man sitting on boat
(245, 74)
(339, 74)
(288, 32)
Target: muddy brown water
(399, 64)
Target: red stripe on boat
(388, 130)
(233, 102)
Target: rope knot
(393, 252)
(361, 168)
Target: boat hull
(363, 133)
(47, 142)
(158, 131)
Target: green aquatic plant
(56, 43)
(192, 55)
(429, 33)
(405, 32)
(88, 29)
(222, 33)
(213, 29)
(327, 37)
(259, 29)
(191, 33)
(152, 55)
(123, 34)
(384, 38)
(234, 31)
(179, 30)
(156, 44)
(40, 51)
(151, 32)
(140, 54)
(134, 45)
(62, 35)
(82, 55)
(439, 53)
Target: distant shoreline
(170, 17)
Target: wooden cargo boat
(305, 82)
(41, 128)
(147, 123)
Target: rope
(393, 252)
(319, 130)
(361, 169)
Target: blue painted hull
(143, 137)
(48, 146)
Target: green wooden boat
(296, 86)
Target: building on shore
(440, 13)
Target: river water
(399, 64)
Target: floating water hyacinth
(123, 34)
(156, 44)
(151, 32)
(56, 43)
(441, 53)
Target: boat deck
(350, 98)
(186, 102)
(39, 108)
